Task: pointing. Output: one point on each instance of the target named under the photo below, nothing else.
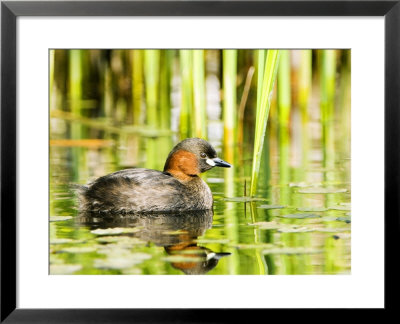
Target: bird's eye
(203, 155)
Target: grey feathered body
(142, 190)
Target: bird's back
(143, 190)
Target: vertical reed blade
(284, 89)
(51, 64)
(328, 76)
(186, 66)
(270, 68)
(199, 94)
(305, 82)
(165, 88)
(229, 83)
(137, 85)
(242, 107)
(152, 77)
(75, 89)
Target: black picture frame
(11, 10)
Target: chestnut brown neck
(182, 165)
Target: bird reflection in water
(177, 233)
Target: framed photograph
(161, 159)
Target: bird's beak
(218, 162)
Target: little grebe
(138, 190)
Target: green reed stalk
(53, 90)
(152, 79)
(152, 74)
(284, 89)
(51, 66)
(261, 55)
(262, 110)
(165, 88)
(133, 141)
(186, 65)
(137, 85)
(284, 107)
(199, 94)
(344, 101)
(75, 96)
(229, 67)
(229, 71)
(304, 94)
(305, 82)
(242, 107)
(75, 89)
(328, 75)
(108, 93)
(284, 166)
(164, 143)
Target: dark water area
(299, 222)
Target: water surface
(299, 223)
